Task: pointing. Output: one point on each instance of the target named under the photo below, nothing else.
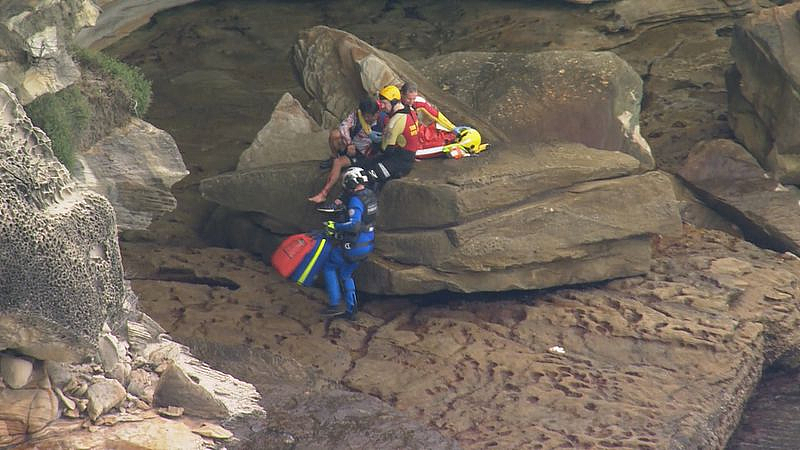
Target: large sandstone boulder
(60, 268)
(134, 167)
(338, 69)
(278, 192)
(33, 44)
(517, 217)
(764, 90)
(589, 97)
(521, 233)
(731, 180)
(25, 411)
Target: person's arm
(394, 129)
(355, 209)
(344, 128)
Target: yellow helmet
(390, 92)
(469, 139)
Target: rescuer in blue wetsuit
(356, 237)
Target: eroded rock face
(588, 97)
(60, 268)
(34, 37)
(134, 167)
(119, 18)
(764, 90)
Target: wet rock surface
(770, 420)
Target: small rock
(71, 386)
(556, 349)
(16, 371)
(120, 372)
(68, 402)
(59, 373)
(177, 388)
(104, 395)
(142, 384)
(139, 362)
(213, 431)
(162, 353)
(107, 420)
(171, 411)
(110, 351)
(81, 390)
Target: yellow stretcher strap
(444, 121)
(311, 263)
(364, 125)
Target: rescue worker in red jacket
(436, 130)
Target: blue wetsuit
(358, 243)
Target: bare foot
(319, 198)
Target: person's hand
(330, 227)
(376, 137)
(351, 149)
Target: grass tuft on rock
(63, 116)
(128, 79)
(108, 93)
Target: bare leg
(338, 164)
(335, 142)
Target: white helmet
(353, 177)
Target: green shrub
(128, 79)
(64, 116)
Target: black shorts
(359, 160)
(392, 163)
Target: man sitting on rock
(356, 140)
(356, 236)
